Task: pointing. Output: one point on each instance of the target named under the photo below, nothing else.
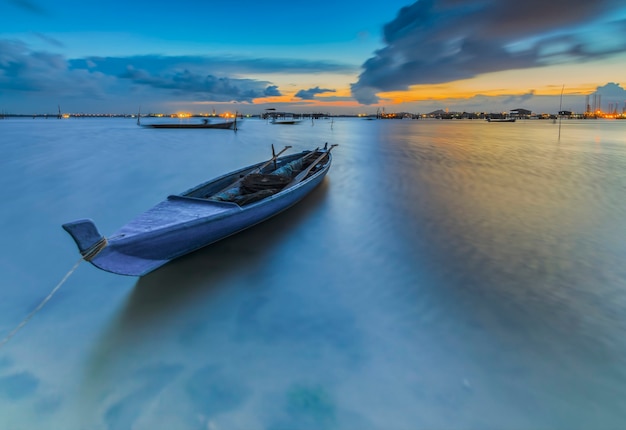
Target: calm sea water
(446, 275)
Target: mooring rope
(88, 255)
(95, 249)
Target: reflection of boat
(501, 119)
(204, 124)
(204, 214)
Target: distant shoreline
(401, 115)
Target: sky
(343, 57)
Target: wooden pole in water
(560, 110)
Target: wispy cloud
(228, 64)
(30, 6)
(50, 40)
(519, 99)
(312, 92)
(446, 40)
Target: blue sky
(347, 57)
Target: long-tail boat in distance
(204, 124)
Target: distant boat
(286, 121)
(204, 214)
(204, 124)
(501, 119)
(282, 119)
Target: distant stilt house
(273, 114)
(565, 113)
(520, 113)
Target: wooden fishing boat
(204, 214)
(286, 121)
(204, 124)
(500, 119)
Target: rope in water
(88, 255)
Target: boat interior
(262, 180)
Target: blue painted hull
(186, 222)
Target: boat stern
(84, 232)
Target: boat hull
(184, 223)
(287, 122)
(218, 125)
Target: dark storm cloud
(312, 92)
(186, 77)
(187, 74)
(272, 91)
(435, 41)
(219, 89)
(25, 70)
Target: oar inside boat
(261, 183)
(304, 173)
(235, 185)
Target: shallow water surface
(446, 274)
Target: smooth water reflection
(445, 275)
